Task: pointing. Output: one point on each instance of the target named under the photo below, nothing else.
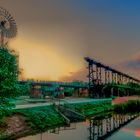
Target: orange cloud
(136, 56)
(78, 75)
(132, 66)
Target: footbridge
(54, 88)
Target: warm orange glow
(41, 62)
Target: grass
(132, 107)
(90, 109)
(41, 118)
(35, 120)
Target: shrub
(132, 106)
(41, 118)
(9, 85)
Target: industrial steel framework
(100, 73)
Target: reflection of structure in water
(102, 127)
(58, 129)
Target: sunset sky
(55, 35)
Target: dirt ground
(16, 127)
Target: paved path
(70, 100)
(62, 101)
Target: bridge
(103, 81)
(53, 87)
(54, 83)
(101, 76)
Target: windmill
(8, 28)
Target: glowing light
(41, 62)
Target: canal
(129, 132)
(80, 131)
(77, 131)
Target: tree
(9, 85)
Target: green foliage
(43, 91)
(41, 118)
(5, 107)
(102, 115)
(135, 88)
(3, 136)
(25, 89)
(9, 85)
(89, 109)
(122, 92)
(3, 124)
(133, 85)
(132, 106)
(68, 91)
(124, 89)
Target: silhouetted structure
(8, 28)
(99, 74)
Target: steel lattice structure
(100, 73)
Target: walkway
(63, 101)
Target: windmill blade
(9, 28)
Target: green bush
(41, 118)
(9, 85)
(3, 124)
(89, 109)
(132, 106)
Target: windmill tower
(8, 28)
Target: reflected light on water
(86, 122)
(126, 129)
(137, 133)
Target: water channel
(80, 131)
(129, 132)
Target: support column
(91, 79)
(98, 75)
(106, 76)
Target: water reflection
(81, 131)
(130, 132)
(57, 130)
(104, 126)
(137, 133)
(76, 131)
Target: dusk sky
(55, 35)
